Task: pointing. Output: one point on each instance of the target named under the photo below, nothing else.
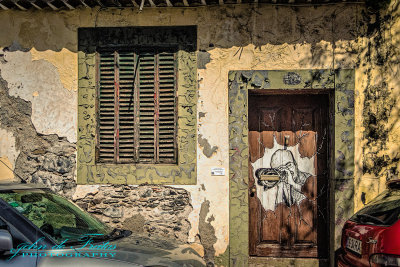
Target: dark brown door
(288, 175)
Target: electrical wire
(22, 179)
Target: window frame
(136, 51)
(185, 170)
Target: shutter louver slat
(167, 123)
(106, 107)
(126, 103)
(146, 107)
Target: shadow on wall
(218, 27)
(378, 61)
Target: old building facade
(239, 96)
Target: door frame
(341, 84)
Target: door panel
(288, 175)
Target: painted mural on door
(288, 175)
(293, 174)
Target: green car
(41, 228)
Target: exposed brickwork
(154, 210)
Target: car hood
(131, 251)
(155, 252)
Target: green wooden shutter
(157, 97)
(137, 107)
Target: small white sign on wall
(218, 171)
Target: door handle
(253, 191)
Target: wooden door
(288, 175)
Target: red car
(372, 236)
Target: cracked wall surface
(40, 51)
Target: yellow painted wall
(8, 156)
(378, 86)
(5, 170)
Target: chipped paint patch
(207, 232)
(208, 151)
(82, 191)
(38, 81)
(65, 62)
(203, 58)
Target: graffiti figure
(291, 179)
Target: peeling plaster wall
(39, 64)
(65, 63)
(38, 81)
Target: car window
(53, 214)
(383, 210)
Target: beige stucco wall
(40, 66)
(8, 155)
(46, 83)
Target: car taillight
(345, 226)
(385, 260)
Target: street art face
(292, 170)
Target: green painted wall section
(90, 172)
(222, 259)
(288, 79)
(342, 81)
(238, 170)
(344, 151)
(344, 124)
